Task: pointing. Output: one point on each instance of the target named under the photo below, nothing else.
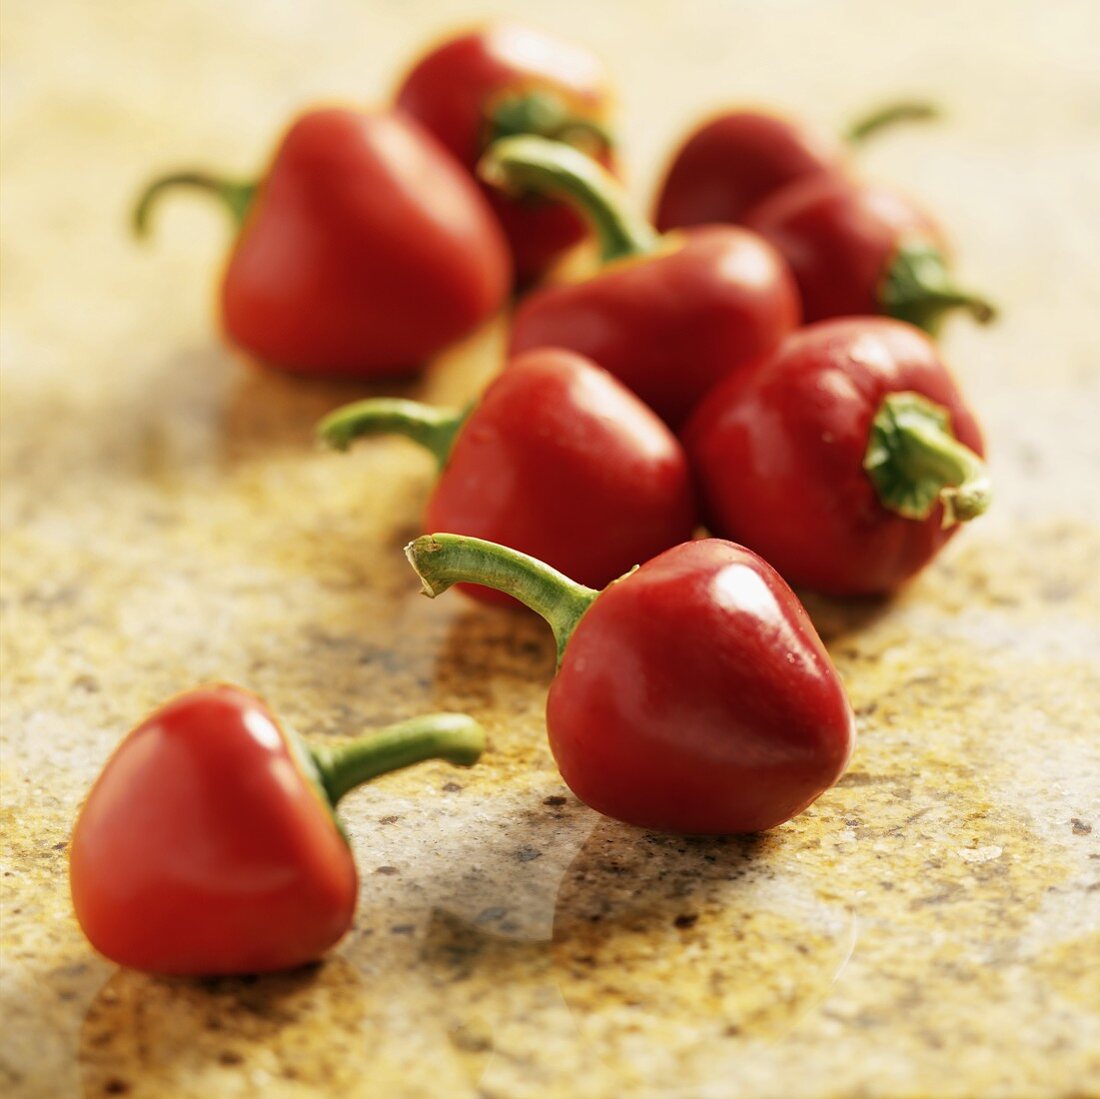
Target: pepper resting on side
(503, 80)
(858, 250)
(739, 158)
(556, 459)
(362, 252)
(847, 459)
(668, 316)
(692, 694)
(209, 844)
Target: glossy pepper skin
(668, 316)
(556, 459)
(364, 251)
(692, 695)
(208, 845)
(732, 162)
(860, 250)
(506, 79)
(739, 158)
(840, 458)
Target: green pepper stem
(887, 116)
(557, 170)
(546, 114)
(918, 288)
(235, 194)
(441, 560)
(456, 738)
(915, 461)
(433, 428)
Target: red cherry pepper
(845, 459)
(364, 251)
(857, 249)
(556, 459)
(668, 316)
(209, 843)
(736, 160)
(692, 695)
(504, 80)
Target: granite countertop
(931, 927)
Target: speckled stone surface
(931, 927)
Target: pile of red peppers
(757, 360)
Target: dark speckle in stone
(528, 854)
(451, 787)
(1058, 591)
(686, 920)
(470, 1043)
(230, 1057)
(860, 778)
(385, 870)
(115, 1086)
(488, 915)
(554, 800)
(1080, 827)
(388, 820)
(403, 928)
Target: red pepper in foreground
(209, 843)
(858, 250)
(736, 160)
(846, 459)
(668, 316)
(364, 250)
(556, 459)
(504, 80)
(692, 695)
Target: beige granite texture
(931, 927)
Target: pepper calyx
(915, 462)
(918, 288)
(545, 113)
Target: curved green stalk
(889, 115)
(557, 170)
(433, 428)
(236, 195)
(441, 560)
(456, 738)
